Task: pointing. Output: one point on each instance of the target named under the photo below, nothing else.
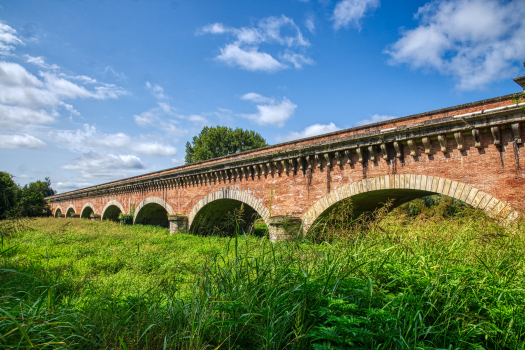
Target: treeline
(17, 201)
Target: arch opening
(58, 212)
(112, 213)
(152, 214)
(69, 212)
(226, 217)
(86, 213)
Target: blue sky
(93, 91)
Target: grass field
(399, 283)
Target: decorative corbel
(443, 142)
(412, 147)
(318, 161)
(269, 167)
(426, 144)
(359, 152)
(310, 161)
(256, 169)
(384, 151)
(301, 164)
(477, 138)
(338, 156)
(459, 140)
(263, 169)
(516, 132)
(496, 135)
(328, 160)
(249, 174)
(348, 154)
(372, 153)
(397, 147)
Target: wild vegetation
(405, 279)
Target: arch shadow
(367, 194)
(87, 210)
(112, 210)
(212, 210)
(58, 211)
(70, 210)
(153, 211)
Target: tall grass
(403, 283)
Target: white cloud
(98, 165)
(20, 141)
(8, 39)
(27, 100)
(312, 130)
(350, 12)
(376, 118)
(244, 51)
(64, 186)
(39, 61)
(475, 41)
(90, 140)
(270, 111)
(309, 22)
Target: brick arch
(155, 200)
(58, 208)
(226, 193)
(88, 204)
(110, 203)
(430, 184)
(71, 206)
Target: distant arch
(58, 211)
(87, 210)
(70, 210)
(227, 197)
(153, 211)
(112, 210)
(404, 188)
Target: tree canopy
(219, 141)
(23, 201)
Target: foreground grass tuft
(455, 283)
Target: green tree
(33, 202)
(219, 141)
(9, 194)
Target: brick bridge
(472, 152)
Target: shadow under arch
(58, 211)
(153, 211)
(112, 210)
(87, 210)
(211, 211)
(367, 194)
(70, 210)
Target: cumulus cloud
(8, 39)
(309, 131)
(28, 100)
(98, 165)
(90, 139)
(244, 51)
(40, 62)
(475, 41)
(376, 118)
(20, 141)
(350, 12)
(269, 110)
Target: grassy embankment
(396, 283)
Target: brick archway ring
(458, 190)
(57, 208)
(69, 207)
(88, 204)
(110, 203)
(155, 200)
(226, 193)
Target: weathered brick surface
(491, 177)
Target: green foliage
(126, 219)
(435, 206)
(26, 201)
(454, 283)
(219, 141)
